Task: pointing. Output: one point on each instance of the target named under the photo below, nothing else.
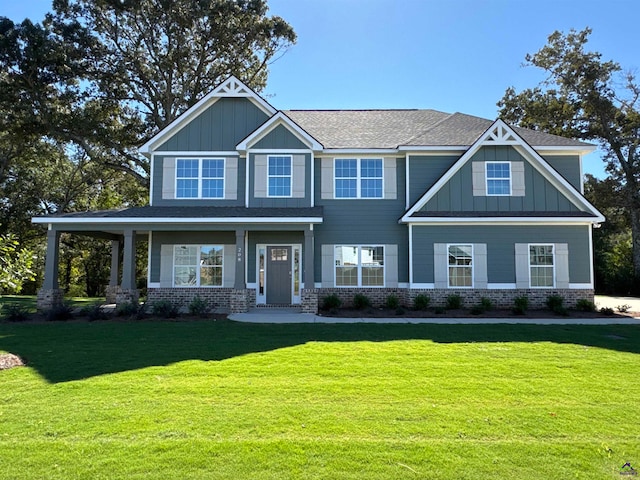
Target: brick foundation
(124, 295)
(309, 301)
(220, 300)
(49, 298)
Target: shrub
(131, 309)
(520, 305)
(607, 311)
(421, 302)
(477, 310)
(13, 312)
(198, 307)
(331, 302)
(584, 305)
(454, 302)
(59, 313)
(94, 312)
(439, 310)
(555, 303)
(361, 301)
(400, 311)
(392, 302)
(165, 309)
(623, 308)
(486, 304)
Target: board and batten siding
(278, 138)
(164, 183)
(300, 181)
(424, 172)
(464, 193)
(568, 166)
(219, 128)
(501, 243)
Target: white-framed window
(358, 178)
(359, 265)
(541, 266)
(279, 176)
(460, 266)
(198, 265)
(200, 178)
(498, 175)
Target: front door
(279, 275)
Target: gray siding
(272, 238)
(363, 222)
(185, 238)
(279, 137)
(297, 201)
(568, 166)
(539, 194)
(501, 242)
(158, 179)
(424, 171)
(219, 128)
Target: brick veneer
(49, 298)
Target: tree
(588, 98)
(15, 264)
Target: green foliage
(60, 312)
(607, 311)
(15, 264)
(623, 308)
(392, 302)
(199, 307)
(331, 302)
(486, 303)
(421, 302)
(439, 310)
(361, 301)
(454, 302)
(131, 310)
(165, 309)
(520, 305)
(555, 303)
(584, 305)
(94, 312)
(15, 312)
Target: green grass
(29, 301)
(224, 400)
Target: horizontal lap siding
(500, 241)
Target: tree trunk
(635, 244)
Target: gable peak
(232, 87)
(501, 134)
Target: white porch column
(240, 283)
(115, 263)
(309, 277)
(129, 260)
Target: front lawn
(219, 399)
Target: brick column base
(239, 301)
(49, 298)
(309, 300)
(125, 295)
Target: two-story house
(252, 206)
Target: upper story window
(359, 266)
(541, 266)
(460, 265)
(199, 178)
(498, 176)
(358, 178)
(197, 265)
(279, 176)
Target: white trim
(169, 220)
(262, 299)
(359, 265)
(200, 178)
(592, 278)
(486, 178)
(553, 267)
(197, 153)
(149, 241)
(501, 286)
(580, 286)
(328, 152)
(432, 221)
(246, 181)
(275, 121)
(153, 284)
(473, 261)
(499, 133)
(407, 198)
(312, 194)
(411, 256)
(578, 149)
(151, 185)
(290, 176)
(358, 179)
(251, 285)
(430, 286)
(231, 87)
(581, 174)
(276, 151)
(433, 148)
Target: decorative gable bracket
(500, 134)
(232, 87)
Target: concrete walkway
(292, 316)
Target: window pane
(187, 168)
(185, 276)
(346, 168)
(279, 187)
(186, 255)
(498, 187)
(346, 188)
(346, 255)
(279, 182)
(541, 276)
(460, 265)
(279, 166)
(372, 276)
(212, 168)
(212, 188)
(460, 277)
(498, 170)
(460, 254)
(371, 168)
(211, 255)
(187, 188)
(541, 255)
(371, 188)
(347, 276)
(211, 276)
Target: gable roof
(499, 133)
(279, 119)
(409, 128)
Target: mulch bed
(9, 360)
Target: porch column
(115, 262)
(309, 278)
(240, 283)
(129, 261)
(50, 295)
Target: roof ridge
(359, 110)
(431, 127)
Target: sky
(447, 55)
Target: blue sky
(449, 55)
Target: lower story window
(541, 265)
(197, 265)
(359, 266)
(460, 265)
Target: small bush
(555, 303)
(486, 304)
(361, 301)
(59, 313)
(400, 311)
(607, 311)
(477, 310)
(520, 305)
(623, 308)
(165, 309)
(392, 302)
(198, 307)
(421, 302)
(454, 302)
(584, 305)
(13, 312)
(93, 313)
(439, 310)
(331, 302)
(131, 309)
